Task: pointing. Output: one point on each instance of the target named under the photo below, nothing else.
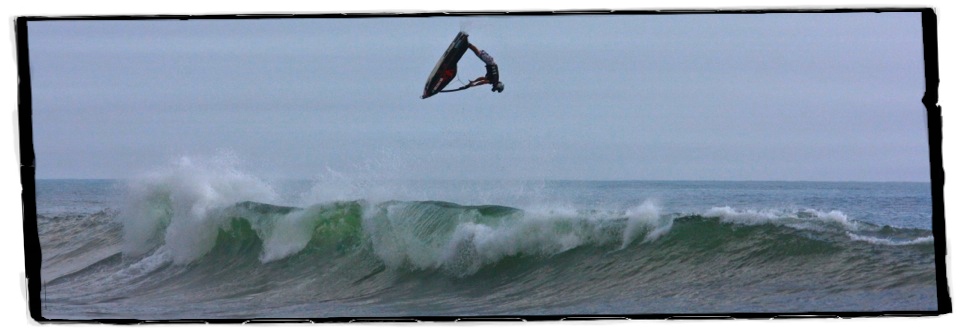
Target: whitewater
(204, 240)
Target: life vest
(493, 73)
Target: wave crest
(194, 208)
(174, 206)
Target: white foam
(395, 240)
(885, 241)
(473, 245)
(801, 219)
(729, 214)
(289, 234)
(406, 236)
(646, 216)
(470, 248)
(157, 259)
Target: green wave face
(460, 241)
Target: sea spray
(332, 185)
(381, 177)
(174, 206)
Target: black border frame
(930, 99)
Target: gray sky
(718, 97)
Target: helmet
(498, 87)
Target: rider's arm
(474, 49)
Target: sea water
(195, 243)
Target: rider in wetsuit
(493, 74)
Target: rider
(493, 74)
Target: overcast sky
(832, 97)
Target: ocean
(194, 243)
